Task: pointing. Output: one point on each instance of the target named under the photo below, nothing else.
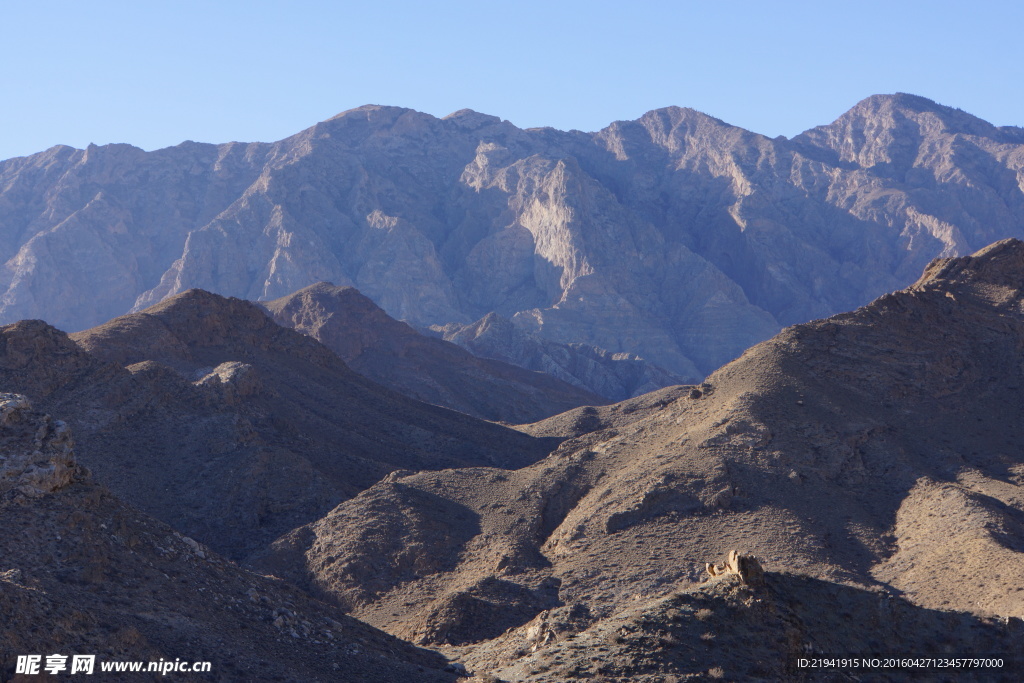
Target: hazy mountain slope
(432, 370)
(676, 237)
(875, 447)
(82, 573)
(85, 231)
(206, 414)
(616, 376)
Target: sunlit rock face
(676, 237)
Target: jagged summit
(677, 237)
(370, 109)
(678, 115)
(900, 100)
(954, 119)
(193, 328)
(895, 128)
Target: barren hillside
(82, 573)
(206, 414)
(394, 355)
(871, 451)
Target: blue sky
(156, 73)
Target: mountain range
(676, 237)
(207, 415)
(265, 498)
(669, 401)
(868, 460)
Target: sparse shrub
(669, 640)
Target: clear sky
(154, 73)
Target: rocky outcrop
(727, 630)
(746, 567)
(80, 572)
(36, 452)
(395, 355)
(676, 238)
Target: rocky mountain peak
(194, 327)
(371, 112)
(675, 237)
(677, 116)
(673, 129)
(895, 101)
(890, 129)
(1000, 264)
(33, 353)
(472, 120)
(432, 370)
(341, 317)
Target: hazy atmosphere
(156, 74)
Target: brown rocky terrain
(873, 451)
(675, 237)
(393, 354)
(83, 573)
(725, 630)
(204, 413)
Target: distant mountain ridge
(432, 370)
(615, 376)
(675, 237)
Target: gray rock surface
(616, 376)
(675, 237)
